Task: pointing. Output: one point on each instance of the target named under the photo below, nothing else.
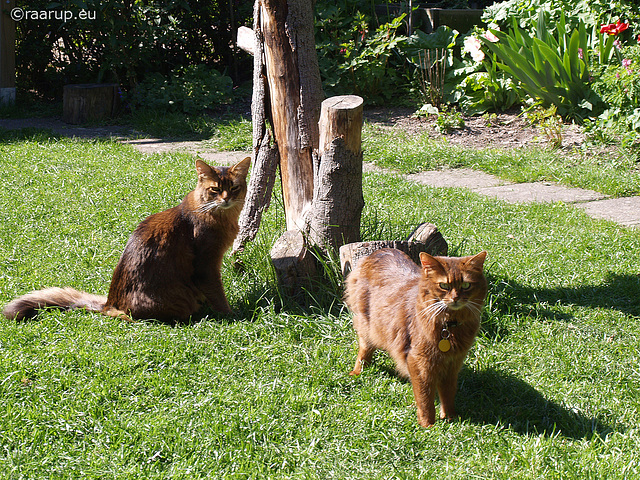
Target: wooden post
(334, 218)
(89, 102)
(7, 53)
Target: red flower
(614, 28)
(638, 38)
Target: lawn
(551, 388)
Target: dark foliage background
(125, 40)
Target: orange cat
(170, 267)
(426, 318)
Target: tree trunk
(295, 92)
(287, 92)
(337, 198)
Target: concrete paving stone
(462, 177)
(625, 211)
(540, 192)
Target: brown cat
(171, 264)
(426, 318)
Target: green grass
(228, 132)
(617, 175)
(551, 388)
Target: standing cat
(426, 318)
(171, 264)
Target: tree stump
(334, 218)
(89, 102)
(293, 262)
(426, 238)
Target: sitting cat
(170, 267)
(426, 318)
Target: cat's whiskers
(434, 309)
(475, 307)
(208, 206)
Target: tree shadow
(494, 397)
(511, 299)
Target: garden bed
(505, 130)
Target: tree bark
(294, 264)
(295, 92)
(287, 92)
(334, 218)
(426, 238)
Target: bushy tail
(27, 305)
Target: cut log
(89, 102)
(293, 262)
(428, 233)
(334, 218)
(431, 241)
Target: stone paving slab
(625, 211)
(543, 192)
(463, 177)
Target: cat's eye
(465, 285)
(235, 188)
(215, 190)
(445, 286)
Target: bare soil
(504, 130)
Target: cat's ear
(242, 167)
(477, 261)
(429, 263)
(204, 170)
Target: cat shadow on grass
(494, 397)
(511, 299)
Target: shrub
(191, 90)
(355, 57)
(124, 41)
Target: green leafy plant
(430, 58)
(355, 56)
(551, 68)
(449, 119)
(618, 84)
(190, 89)
(367, 68)
(482, 92)
(549, 122)
(432, 71)
(123, 41)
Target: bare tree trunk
(321, 183)
(265, 153)
(295, 92)
(334, 218)
(287, 93)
